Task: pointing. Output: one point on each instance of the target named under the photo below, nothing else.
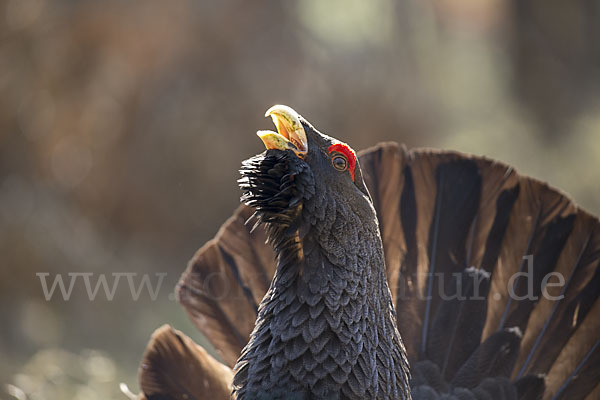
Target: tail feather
(544, 259)
(174, 367)
(535, 209)
(499, 192)
(464, 313)
(583, 378)
(457, 200)
(224, 283)
(576, 369)
(555, 320)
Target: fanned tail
(457, 230)
(451, 221)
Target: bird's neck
(326, 327)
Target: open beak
(290, 133)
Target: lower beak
(290, 133)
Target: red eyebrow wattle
(348, 152)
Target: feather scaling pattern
(452, 225)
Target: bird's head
(304, 179)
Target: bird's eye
(339, 162)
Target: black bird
(494, 281)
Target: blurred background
(123, 123)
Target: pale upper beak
(290, 132)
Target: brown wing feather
(174, 367)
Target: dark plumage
(454, 229)
(326, 327)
